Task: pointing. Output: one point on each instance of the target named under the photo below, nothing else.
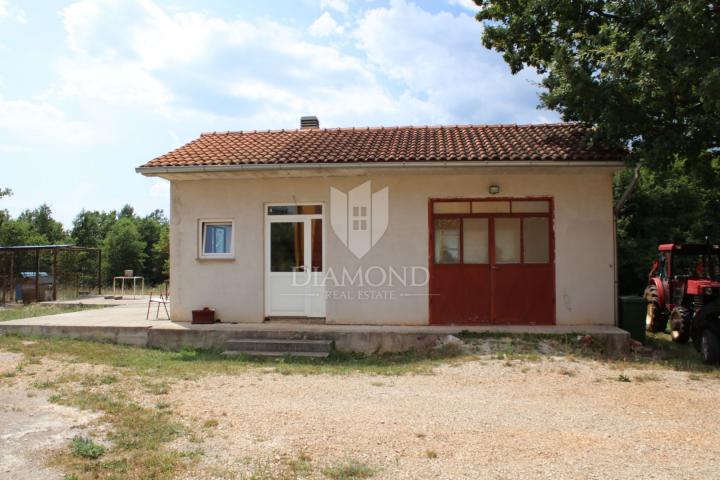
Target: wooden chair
(162, 299)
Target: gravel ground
(30, 427)
(550, 419)
(492, 418)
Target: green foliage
(154, 230)
(349, 470)
(123, 248)
(40, 221)
(18, 232)
(645, 73)
(86, 448)
(161, 251)
(91, 227)
(674, 204)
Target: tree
(91, 227)
(127, 211)
(150, 229)
(19, 232)
(123, 249)
(675, 204)
(161, 251)
(41, 221)
(5, 192)
(645, 73)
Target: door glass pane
(491, 207)
(287, 247)
(451, 207)
(316, 244)
(447, 240)
(507, 240)
(536, 240)
(475, 240)
(530, 206)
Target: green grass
(192, 363)
(138, 435)
(86, 448)
(675, 356)
(28, 311)
(350, 470)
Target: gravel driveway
(492, 418)
(487, 419)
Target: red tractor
(684, 289)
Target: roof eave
(153, 171)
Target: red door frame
(491, 241)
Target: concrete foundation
(127, 324)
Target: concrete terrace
(124, 322)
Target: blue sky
(90, 89)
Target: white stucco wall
(235, 288)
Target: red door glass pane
(536, 240)
(507, 240)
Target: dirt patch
(484, 419)
(31, 426)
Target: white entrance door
(294, 261)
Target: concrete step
(278, 347)
(260, 353)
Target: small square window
(363, 211)
(363, 224)
(216, 239)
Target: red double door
(492, 262)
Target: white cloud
(12, 12)
(40, 123)
(439, 60)
(466, 4)
(184, 65)
(341, 6)
(192, 72)
(324, 26)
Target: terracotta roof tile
(547, 142)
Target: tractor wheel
(709, 348)
(655, 321)
(680, 324)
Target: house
(478, 224)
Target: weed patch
(349, 470)
(189, 364)
(29, 311)
(86, 448)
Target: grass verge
(137, 437)
(28, 311)
(192, 363)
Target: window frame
(549, 214)
(202, 224)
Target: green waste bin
(632, 310)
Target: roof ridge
(397, 127)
